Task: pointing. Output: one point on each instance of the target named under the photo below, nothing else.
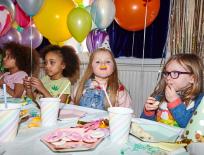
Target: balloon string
(31, 47)
(143, 51)
(144, 35)
(133, 42)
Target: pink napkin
(71, 113)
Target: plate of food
(151, 131)
(80, 138)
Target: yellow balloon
(51, 20)
(56, 43)
(78, 1)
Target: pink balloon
(34, 36)
(5, 20)
(11, 35)
(22, 19)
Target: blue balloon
(30, 7)
(103, 13)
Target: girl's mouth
(103, 67)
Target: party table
(28, 140)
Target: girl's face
(102, 65)
(8, 61)
(54, 65)
(180, 77)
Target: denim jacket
(93, 97)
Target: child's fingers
(151, 106)
(151, 100)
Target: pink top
(12, 79)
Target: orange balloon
(130, 14)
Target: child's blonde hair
(193, 64)
(112, 84)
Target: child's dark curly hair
(70, 59)
(22, 54)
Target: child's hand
(170, 93)
(36, 83)
(151, 104)
(26, 82)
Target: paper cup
(9, 119)
(196, 148)
(49, 111)
(119, 124)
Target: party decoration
(79, 23)
(87, 2)
(88, 8)
(30, 7)
(95, 39)
(131, 14)
(79, 2)
(102, 13)
(35, 37)
(21, 18)
(195, 127)
(51, 19)
(10, 6)
(5, 20)
(11, 36)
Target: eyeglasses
(174, 74)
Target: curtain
(131, 44)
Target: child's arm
(123, 98)
(36, 83)
(28, 88)
(17, 92)
(150, 108)
(181, 114)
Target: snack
(35, 122)
(140, 133)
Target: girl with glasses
(178, 92)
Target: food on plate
(97, 134)
(140, 133)
(87, 138)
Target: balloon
(88, 8)
(95, 39)
(79, 23)
(5, 20)
(78, 1)
(36, 37)
(130, 14)
(10, 6)
(21, 18)
(51, 19)
(11, 35)
(102, 13)
(30, 7)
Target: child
(178, 93)
(17, 59)
(60, 63)
(101, 73)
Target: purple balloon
(11, 35)
(95, 39)
(34, 36)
